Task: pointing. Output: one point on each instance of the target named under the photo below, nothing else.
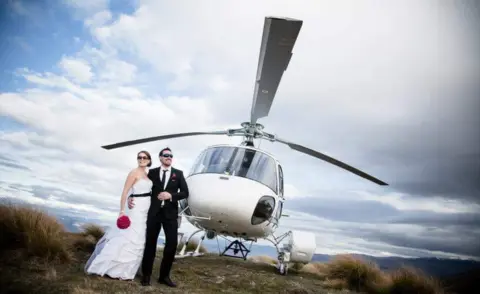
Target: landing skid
(237, 246)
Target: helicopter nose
(229, 199)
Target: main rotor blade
(150, 139)
(279, 37)
(331, 160)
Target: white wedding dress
(118, 254)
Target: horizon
(397, 99)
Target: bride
(118, 254)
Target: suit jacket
(176, 186)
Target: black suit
(165, 216)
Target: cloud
(453, 230)
(395, 98)
(77, 70)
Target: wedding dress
(118, 254)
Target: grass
(39, 256)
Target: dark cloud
(439, 220)
(368, 211)
(14, 165)
(465, 243)
(437, 157)
(456, 233)
(346, 210)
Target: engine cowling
(301, 246)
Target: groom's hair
(163, 150)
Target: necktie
(163, 177)
(163, 184)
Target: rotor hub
(250, 126)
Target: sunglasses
(167, 155)
(142, 158)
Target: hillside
(39, 256)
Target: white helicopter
(238, 191)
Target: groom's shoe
(145, 281)
(167, 281)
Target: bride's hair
(148, 155)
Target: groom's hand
(164, 196)
(130, 202)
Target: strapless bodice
(143, 185)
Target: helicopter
(238, 190)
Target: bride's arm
(128, 184)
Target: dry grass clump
(32, 233)
(265, 259)
(410, 280)
(87, 239)
(93, 230)
(316, 268)
(348, 272)
(358, 275)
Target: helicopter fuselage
(234, 192)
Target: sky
(389, 87)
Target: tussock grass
(93, 230)
(316, 268)
(348, 272)
(411, 280)
(359, 275)
(30, 233)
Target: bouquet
(123, 222)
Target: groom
(169, 186)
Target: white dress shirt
(167, 175)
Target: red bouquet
(123, 222)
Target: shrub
(358, 275)
(409, 280)
(316, 268)
(82, 243)
(93, 230)
(32, 233)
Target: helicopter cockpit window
(213, 160)
(280, 180)
(238, 161)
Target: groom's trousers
(170, 228)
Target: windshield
(238, 161)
